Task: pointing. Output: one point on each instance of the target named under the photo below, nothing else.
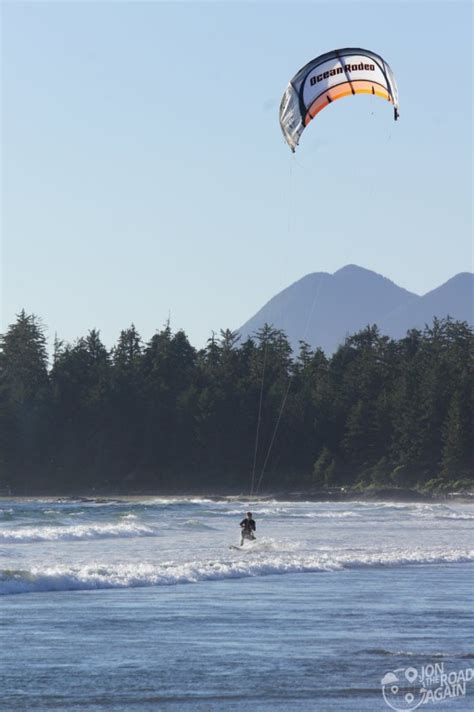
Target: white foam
(107, 576)
(332, 515)
(173, 501)
(28, 535)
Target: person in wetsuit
(248, 527)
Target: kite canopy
(331, 76)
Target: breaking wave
(110, 576)
(29, 535)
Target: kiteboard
(241, 548)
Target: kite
(331, 76)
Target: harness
(249, 526)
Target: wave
(454, 515)
(30, 535)
(112, 576)
(332, 515)
(414, 654)
(173, 501)
(196, 524)
(280, 511)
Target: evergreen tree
(24, 401)
(81, 387)
(127, 406)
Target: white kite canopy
(331, 76)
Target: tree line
(164, 416)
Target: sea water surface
(140, 604)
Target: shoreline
(342, 494)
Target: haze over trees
(164, 416)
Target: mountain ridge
(323, 308)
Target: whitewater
(145, 597)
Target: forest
(163, 416)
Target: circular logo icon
(402, 690)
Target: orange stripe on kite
(360, 86)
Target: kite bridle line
(259, 420)
(260, 406)
(287, 391)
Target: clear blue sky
(144, 171)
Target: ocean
(140, 604)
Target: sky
(145, 176)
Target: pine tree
(458, 438)
(24, 394)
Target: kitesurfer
(248, 527)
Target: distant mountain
(454, 298)
(324, 308)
